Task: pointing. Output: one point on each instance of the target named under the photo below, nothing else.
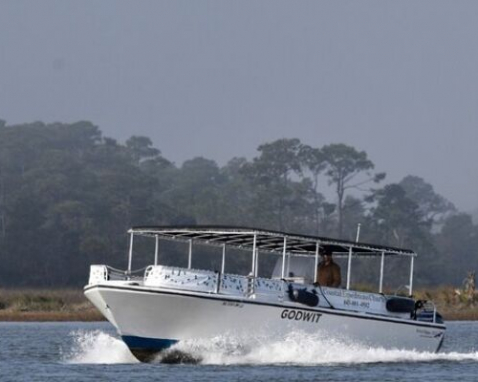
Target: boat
(161, 304)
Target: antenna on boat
(358, 233)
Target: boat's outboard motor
(398, 304)
(303, 296)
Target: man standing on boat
(328, 273)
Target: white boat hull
(152, 319)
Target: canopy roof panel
(266, 240)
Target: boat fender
(303, 296)
(400, 304)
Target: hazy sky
(217, 78)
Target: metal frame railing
(99, 273)
(213, 282)
(426, 306)
(119, 274)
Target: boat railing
(250, 286)
(235, 284)
(213, 282)
(433, 308)
(269, 288)
(426, 311)
(181, 278)
(101, 273)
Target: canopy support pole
(284, 250)
(382, 261)
(254, 246)
(190, 254)
(288, 266)
(223, 263)
(130, 255)
(349, 267)
(410, 286)
(349, 263)
(252, 276)
(257, 263)
(156, 250)
(317, 247)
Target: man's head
(326, 255)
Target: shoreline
(62, 305)
(39, 316)
(94, 316)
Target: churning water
(91, 352)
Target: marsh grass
(451, 302)
(46, 305)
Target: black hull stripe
(317, 310)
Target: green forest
(68, 195)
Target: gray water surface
(92, 352)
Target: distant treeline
(68, 194)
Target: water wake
(294, 349)
(98, 347)
(303, 349)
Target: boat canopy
(258, 240)
(269, 241)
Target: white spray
(294, 349)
